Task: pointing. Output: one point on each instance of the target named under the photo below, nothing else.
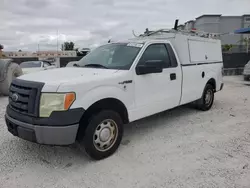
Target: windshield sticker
(137, 45)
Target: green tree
(246, 42)
(68, 46)
(227, 47)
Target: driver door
(156, 92)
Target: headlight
(50, 102)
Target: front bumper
(51, 131)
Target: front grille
(24, 96)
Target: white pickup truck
(113, 85)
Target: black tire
(90, 135)
(14, 70)
(203, 104)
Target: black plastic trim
(171, 53)
(26, 134)
(187, 65)
(62, 118)
(193, 64)
(217, 62)
(35, 92)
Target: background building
(40, 54)
(224, 25)
(18, 54)
(56, 54)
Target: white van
(113, 85)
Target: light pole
(248, 41)
(57, 43)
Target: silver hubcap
(105, 135)
(208, 97)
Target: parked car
(115, 84)
(72, 64)
(246, 72)
(36, 66)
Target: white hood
(68, 74)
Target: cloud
(27, 23)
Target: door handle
(172, 76)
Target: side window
(156, 52)
(172, 56)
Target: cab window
(156, 52)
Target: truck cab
(113, 85)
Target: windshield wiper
(95, 65)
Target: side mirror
(152, 66)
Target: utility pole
(248, 40)
(57, 42)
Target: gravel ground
(178, 148)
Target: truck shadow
(59, 157)
(68, 156)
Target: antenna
(133, 32)
(176, 24)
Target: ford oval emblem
(14, 97)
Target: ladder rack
(161, 32)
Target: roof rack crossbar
(178, 31)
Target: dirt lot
(179, 148)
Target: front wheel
(103, 134)
(207, 99)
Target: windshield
(30, 64)
(112, 56)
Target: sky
(89, 23)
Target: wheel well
(212, 82)
(107, 104)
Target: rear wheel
(207, 99)
(103, 134)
